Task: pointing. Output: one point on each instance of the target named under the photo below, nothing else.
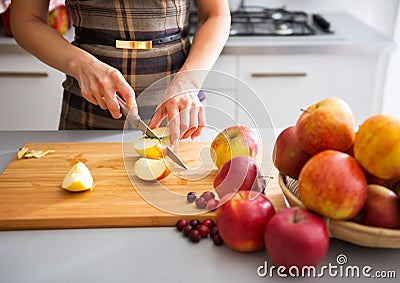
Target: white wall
(383, 15)
(391, 99)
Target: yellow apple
(377, 146)
(78, 178)
(150, 148)
(164, 134)
(148, 169)
(153, 148)
(234, 141)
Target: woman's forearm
(98, 81)
(208, 42)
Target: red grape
(181, 223)
(213, 231)
(208, 195)
(194, 236)
(186, 230)
(201, 202)
(191, 197)
(217, 239)
(203, 229)
(208, 222)
(194, 223)
(212, 204)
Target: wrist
(78, 62)
(194, 78)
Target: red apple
(332, 184)
(376, 146)
(350, 151)
(241, 220)
(239, 173)
(395, 187)
(288, 156)
(234, 141)
(382, 208)
(392, 184)
(296, 237)
(371, 179)
(327, 124)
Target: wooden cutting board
(31, 196)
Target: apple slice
(22, 151)
(164, 134)
(150, 148)
(78, 178)
(148, 169)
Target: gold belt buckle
(130, 44)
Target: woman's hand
(183, 109)
(100, 83)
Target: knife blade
(137, 123)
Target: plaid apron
(126, 20)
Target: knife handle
(124, 108)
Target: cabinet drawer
(221, 109)
(21, 62)
(285, 84)
(226, 74)
(30, 94)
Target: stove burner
(283, 28)
(277, 16)
(261, 21)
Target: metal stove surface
(261, 21)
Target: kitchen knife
(137, 123)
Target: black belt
(89, 36)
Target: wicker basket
(346, 230)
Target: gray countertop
(147, 254)
(351, 36)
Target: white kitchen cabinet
(30, 92)
(221, 88)
(287, 83)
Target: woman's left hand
(183, 109)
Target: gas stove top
(261, 21)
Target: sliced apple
(78, 178)
(150, 148)
(148, 169)
(164, 134)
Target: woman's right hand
(99, 85)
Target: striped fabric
(127, 20)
